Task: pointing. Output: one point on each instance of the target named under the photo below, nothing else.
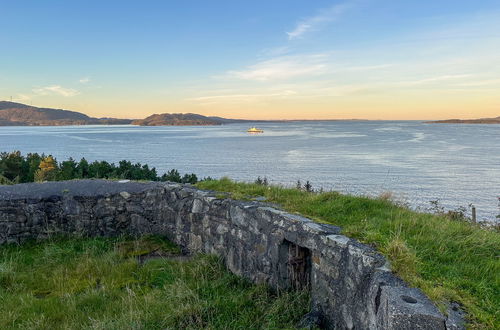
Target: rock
(456, 317)
(197, 206)
(125, 194)
(407, 308)
(311, 320)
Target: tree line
(16, 168)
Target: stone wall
(350, 283)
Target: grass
(449, 260)
(100, 283)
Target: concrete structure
(351, 284)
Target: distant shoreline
(18, 114)
(236, 121)
(233, 121)
(466, 121)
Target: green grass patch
(449, 260)
(99, 283)
(147, 245)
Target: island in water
(495, 120)
(183, 119)
(175, 119)
(18, 114)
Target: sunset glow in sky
(262, 59)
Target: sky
(280, 59)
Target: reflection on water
(458, 164)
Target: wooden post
(474, 214)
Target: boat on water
(255, 130)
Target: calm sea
(456, 164)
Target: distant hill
(17, 114)
(467, 121)
(177, 119)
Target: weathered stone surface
(407, 308)
(456, 317)
(311, 320)
(125, 195)
(351, 286)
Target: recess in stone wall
(294, 266)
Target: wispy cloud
(284, 67)
(84, 80)
(315, 22)
(479, 83)
(56, 90)
(365, 67)
(243, 97)
(436, 79)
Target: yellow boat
(255, 130)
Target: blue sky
(254, 59)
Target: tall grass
(449, 260)
(99, 283)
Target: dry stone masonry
(350, 283)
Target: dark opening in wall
(294, 266)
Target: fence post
(474, 214)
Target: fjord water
(417, 162)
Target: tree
(172, 176)
(11, 165)
(32, 164)
(101, 169)
(82, 169)
(124, 170)
(149, 174)
(47, 170)
(67, 169)
(189, 178)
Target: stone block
(197, 206)
(406, 308)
